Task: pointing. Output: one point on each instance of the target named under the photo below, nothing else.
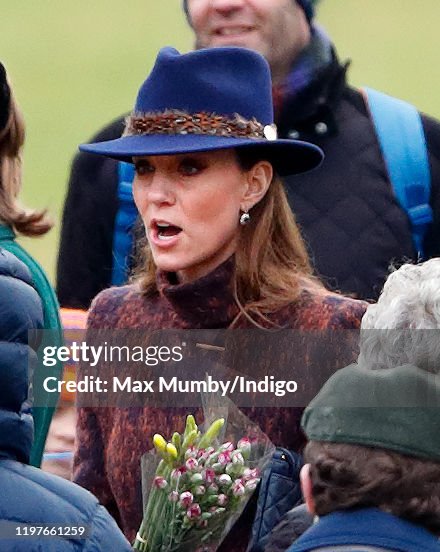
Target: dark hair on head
(353, 476)
(5, 97)
(248, 157)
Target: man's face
(277, 29)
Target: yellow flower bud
(212, 432)
(177, 440)
(189, 440)
(189, 426)
(172, 451)
(159, 442)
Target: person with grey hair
(401, 329)
(403, 326)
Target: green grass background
(76, 65)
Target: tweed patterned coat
(111, 441)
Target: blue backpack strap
(402, 140)
(125, 219)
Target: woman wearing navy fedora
(223, 248)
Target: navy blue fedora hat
(210, 99)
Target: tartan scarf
(317, 55)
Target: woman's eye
(143, 168)
(190, 168)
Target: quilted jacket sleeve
(105, 534)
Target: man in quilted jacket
(29, 496)
(348, 213)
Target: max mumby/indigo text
(239, 384)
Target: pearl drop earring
(245, 218)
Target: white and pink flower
(191, 464)
(249, 473)
(194, 511)
(238, 488)
(208, 475)
(251, 484)
(186, 499)
(224, 479)
(160, 482)
(222, 499)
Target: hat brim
(287, 156)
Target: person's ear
(258, 180)
(306, 487)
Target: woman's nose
(160, 189)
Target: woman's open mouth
(164, 233)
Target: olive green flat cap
(396, 409)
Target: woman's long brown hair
(28, 222)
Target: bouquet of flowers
(199, 488)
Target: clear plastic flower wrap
(196, 484)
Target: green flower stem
(155, 524)
(146, 519)
(145, 525)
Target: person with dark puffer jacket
(28, 495)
